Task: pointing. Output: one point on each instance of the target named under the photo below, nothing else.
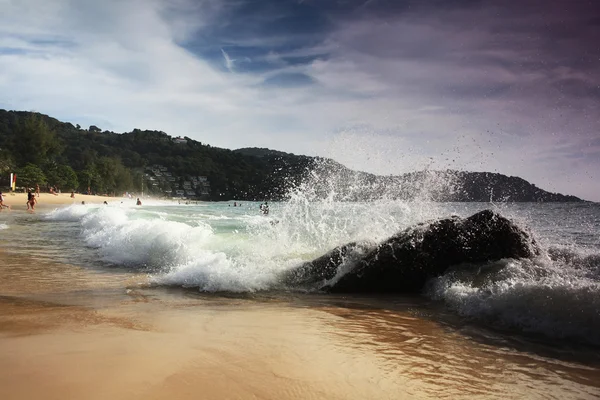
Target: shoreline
(17, 201)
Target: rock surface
(405, 261)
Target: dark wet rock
(404, 262)
(317, 272)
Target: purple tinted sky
(385, 86)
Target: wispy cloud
(228, 61)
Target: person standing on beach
(37, 190)
(31, 200)
(2, 205)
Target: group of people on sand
(31, 201)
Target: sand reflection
(449, 364)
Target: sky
(382, 86)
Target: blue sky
(385, 86)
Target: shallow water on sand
(81, 325)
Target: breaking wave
(557, 295)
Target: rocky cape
(406, 261)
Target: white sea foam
(180, 253)
(541, 296)
(214, 271)
(124, 239)
(3, 226)
(72, 213)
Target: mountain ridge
(464, 185)
(42, 149)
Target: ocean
(530, 327)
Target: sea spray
(334, 205)
(542, 295)
(330, 181)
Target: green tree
(30, 175)
(35, 142)
(6, 162)
(86, 178)
(136, 177)
(123, 179)
(62, 176)
(111, 176)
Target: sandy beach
(69, 333)
(17, 201)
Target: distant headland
(42, 150)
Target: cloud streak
(228, 61)
(386, 87)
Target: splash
(555, 296)
(331, 181)
(72, 213)
(334, 205)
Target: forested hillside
(48, 152)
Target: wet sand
(92, 341)
(68, 332)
